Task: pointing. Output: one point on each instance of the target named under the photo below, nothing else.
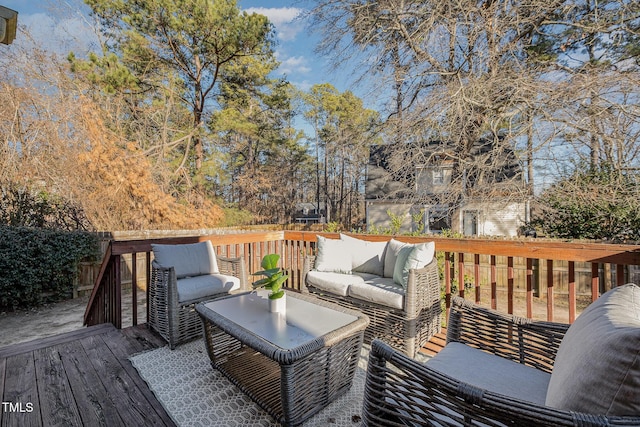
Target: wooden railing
(521, 277)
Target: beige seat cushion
(191, 288)
(597, 369)
(335, 283)
(192, 259)
(379, 290)
(493, 373)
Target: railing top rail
(526, 247)
(120, 247)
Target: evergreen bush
(40, 265)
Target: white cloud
(294, 64)
(304, 85)
(286, 20)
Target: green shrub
(597, 203)
(234, 216)
(40, 265)
(29, 206)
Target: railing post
(447, 283)
(550, 294)
(476, 274)
(595, 281)
(494, 283)
(116, 309)
(620, 280)
(134, 289)
(148, 279)
(572, 291)
(461, 281)
(529, 287)
(510, 294)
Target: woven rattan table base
(294, 386)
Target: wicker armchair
(176, 321)
(406, 329)
(402, 391)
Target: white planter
(278, 305)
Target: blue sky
(62, 25)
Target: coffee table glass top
(303, 321)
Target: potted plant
(273, 280)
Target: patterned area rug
(195, 394)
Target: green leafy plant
(274, 276)
(333, 227)
(396, 222)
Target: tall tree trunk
(327, 201)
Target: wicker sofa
(182, 276)
(398, 289)
(499, 370)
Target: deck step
(37, 344)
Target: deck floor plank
(20, 391)
(143, 339)
(90, 393)
(80, 378)
(135, 344)
(57, 404)
(133, 406)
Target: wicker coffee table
(291, 365)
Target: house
(426, 188)
(308, 213)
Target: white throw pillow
(188, 260)
(412, 257)
(332, 255)
(391, 255)
(597, 368)
(366, 257)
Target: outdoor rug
(195, 394)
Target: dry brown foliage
(53, 138)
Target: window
(437, 219)
(470, 223)
(437, 176)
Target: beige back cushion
(366, 257)
(332, 256)
(391, 255)
(412, 257)
(597, 369)
(188, 260)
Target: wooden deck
(435, 344)
(81, 378)
(84, 378)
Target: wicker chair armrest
(234, 266)
(308, 265)
(402, 391)
(164, 277)
(423, 288)
(517, 338)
